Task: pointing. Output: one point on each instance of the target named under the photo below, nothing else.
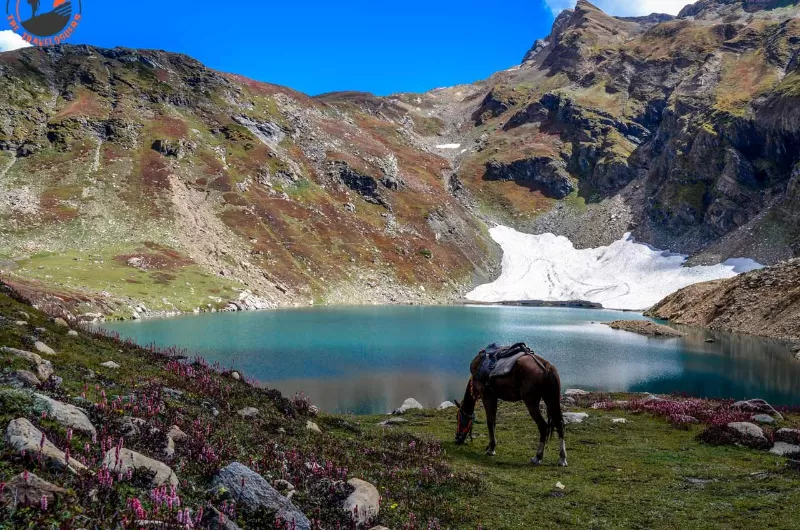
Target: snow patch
(623, 275)
(448, 146)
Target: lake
(368, 360)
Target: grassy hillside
(644, 473)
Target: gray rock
(446, 405)
(574, 417)
(127, 459)
(250, 412)
(363, 504)
(110, 364)
(23, 436)
(757, 406)
(177, 434)
(43, 348)
(43, 369)
(748, 430)
(130, 426)
(213, 519)
(573, 392)
(172, 393)
(29, 490)
(65, 414)
(60, 322)
(763, 418)
(392, 421)
(20, 379)
(784, 449)
(791, 436)
(21, 323)
(311, 426)
(235, 375)
(72, 333)
(251, 489)
(409, 404)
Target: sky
(318, 47)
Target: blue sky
(316, 47)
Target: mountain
(135, 178)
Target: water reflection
(368, 360)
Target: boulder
(748, 431)
(574, 417)
(20, 379)
(763, 418)
(409, 404)
(363, 504)
(311, 426)
(65, 414)
(784, 449)
(110, 364)
(43, 369)
(757, 406)
(214, 519)
(248, 412)
(250, 489)
(130, 426)
(43, 348)
(127, 459)
(23, 436)
(790, 436)
(446, 405)
(26, 489)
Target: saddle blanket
(498, 361)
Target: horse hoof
(536, 460)
(491, 452)
(563, 463)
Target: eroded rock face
(539, 173)
(124, 459)
(363, 184)
(254, 492)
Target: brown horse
(531, 380)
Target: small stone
(72, 333)
(213, 519)
(560, 486)
(250, 412)
(235, 375)
(21, 323)
(60, 322)
(409, 404)
(127, 459)
(574, 417)
(784, 449)
(172, 393)
(26, 489)
(177, 434)
(363, 504)
(311, 426)
(130, 426)
(65, 414)
(619, 420)
(576, 392)
(392, 421)
(21, 379)
(446, 405)
(110, 364)
(43, 348)
(710, 341)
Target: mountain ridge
(682, 130)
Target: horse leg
(490, 405)
(562, 461)
(536, 414)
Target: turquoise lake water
(369, 359)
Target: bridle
(466, 421)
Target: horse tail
(552, 399)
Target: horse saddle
(498, 361)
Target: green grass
(184, 287)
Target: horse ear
(458, 405)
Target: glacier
(624, 275)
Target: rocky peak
(720, 8)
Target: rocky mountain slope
(763, 302)
(159, 184)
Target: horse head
(466, 414)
